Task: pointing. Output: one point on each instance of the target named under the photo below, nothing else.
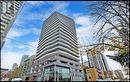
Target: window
(40, 65)
(34, 71)
(4, 7)
(49, 73)
(62, 74)
(9, 4)
(63, 62)
(71, 64)
(80, 70)
(76, 65)
(76, 70)
(89, 77)
(39, 70)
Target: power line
(19, 42)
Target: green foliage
(111, 48)
(123, 52)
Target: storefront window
(62, 74)
(77, 78)
(46, 74)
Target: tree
(112, 24)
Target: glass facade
(57, 73)
(77, 78)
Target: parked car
(16, 79)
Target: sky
(24, 34)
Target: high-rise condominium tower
(57, 53)
(98, 61)
(8, 13)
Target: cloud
(60, 5)
(22, 46)
(13, 39)
(8, 58)
(56, 6)
(86, 31)
(36, 3)
(83, 20)
(13, 34)
(15, 57)
(84, 28)
(25, 17)
(35, 16)
(84, 34)
(17, 32)
(33, 48)
(75, 15)
(35, 31)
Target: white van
(16, 79)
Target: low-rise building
(4, 74)
(25, 67)
(109, 74)
(91, 74)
